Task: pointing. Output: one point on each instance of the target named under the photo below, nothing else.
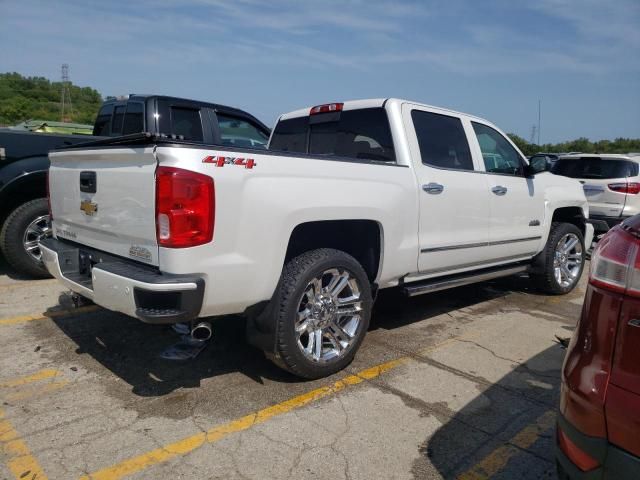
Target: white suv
(611, 183)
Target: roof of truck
(374, 103)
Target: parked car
(350, 198)
(598, 433)
(549, 158)
(24, 217)
(611, 183)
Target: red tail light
(632, 188)
(328, 107)
(580, 458)
(615, 263)
(185, 208)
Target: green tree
(24, 98)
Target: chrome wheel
(329, 314)
(37, 230)
(567, 260)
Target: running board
(428, 286)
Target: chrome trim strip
(475, 245)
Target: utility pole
(539, 108)
(534, 129)
(65, 100)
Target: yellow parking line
(496, 460)
(34, 377)
(193, 442)
(36, 392)
(48, 315)
(19, 459)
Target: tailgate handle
(88, 182)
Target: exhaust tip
(202, 331)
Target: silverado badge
(88, 207)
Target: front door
(517, 206)
(454, 199)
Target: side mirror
(537, 165)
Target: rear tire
(21, 231)
(322, 308)
(560, 264)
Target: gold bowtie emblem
(88, 207)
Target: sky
(491, 58)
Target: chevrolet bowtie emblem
(88, 207)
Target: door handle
(433, 188)
(499, 190)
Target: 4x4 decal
(222, 161)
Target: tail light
(579, 457)
(185, 208)
(48, 196)
(632, 188)
(326, 108)
(615, 263)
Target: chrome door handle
(433, 188)
(499, 190)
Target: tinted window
(103, 120)
(442, 141)
(498, 154)
(186, 122)
(133, 119)
(290, 135)
(362, 134)
(240, 133)
(593, 167)
(118, 117)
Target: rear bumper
(616, 464)
(603, 224)
(123, 285)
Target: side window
(118, 117)
(133, 119)
(237, 132)
(103, 121)
(442, 141)
(186, 122)
(498, 154)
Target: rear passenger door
(453, 194)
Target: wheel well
(572, 215)
(359, 238)
(22, 190)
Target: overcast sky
(494, 59)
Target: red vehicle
(598, 434)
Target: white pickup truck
(350, 198)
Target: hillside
(23, 98)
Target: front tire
(20, 234)
(560, 264)
(322, 307)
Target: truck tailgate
(105, 199)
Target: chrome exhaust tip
(201, 332)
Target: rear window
(103, 120)
(118, 117)
(133, 119)
(186, 122)
(595, 168)
(361, 134)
